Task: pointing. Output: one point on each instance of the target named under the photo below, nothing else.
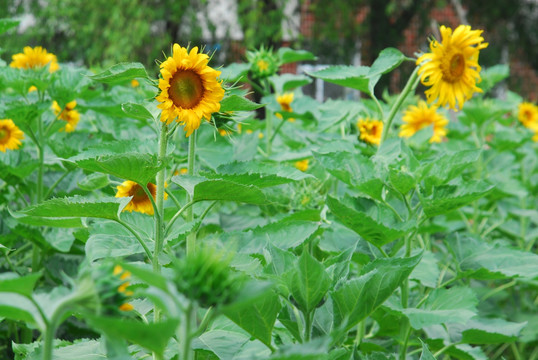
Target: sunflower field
(219, 212)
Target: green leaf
(388, 60)
(480, 260)
(491, 331)
(454, 305)
(427, 271)
(447, 166)
(111, 240)
(18, 307)
(51, 222)
(288, 82)
(224, 344)
(121, 161)
(121, 72)
(375, 222)
(77, 206)
(355, 77)
(6, 24)
(201, 189)
(426, 354)
(355, 299)
(308, 282)
(238, 103)
(93, 182)
(353, 169)
(234, 72)
(137, 111)
(24, 285)
(287, 55)
(256, 317)
(446, 198)
(493, 75)
(152, 336)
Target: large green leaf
(111, 240)
(491, 331)
(353, 169)
(446, 198)
(288, 82)
(355, 77)
(50, 222)
(287, 55)
(426, 354)
(454, 305)
(355, 299)
(137, 111)
(375, 222)
(308, 282)
(201, 188)
(257, 317)
(152, 336)
(121, 72)
(480, 260)
(225, 344)
(234, 72)
(121, 161)
(24, 285)
(445, 167)
(238, 103)
(493, 75)
(17, 307)
(77, 206)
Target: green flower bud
(263, 63)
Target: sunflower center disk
(137, 193)
(455, 68)
(186, 89)
(4, 136)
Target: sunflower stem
(191, 238)
(410, 86)
(268, 131)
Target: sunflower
(189, 89)
(140, 201)
(451, 69)
(285, 101)
(10, 135)
(35, 58)
(370, 130)
(418, 117)
(68, 114)
(528, 114)
(302, 165)
(135, 83)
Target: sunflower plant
(166, 217)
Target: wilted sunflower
(140, 201)
(528, 114)
(416, 118)
(10, 135)
(451, 69)
(32, 58)
(189, 89)
(370, 130)
(68, 114)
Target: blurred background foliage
(99, 33)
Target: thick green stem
(308, 320)
(278, 129)
(190, 319)
(410, 86)
(405, 329)
(361, 330)
(191, 238)
(48, 343)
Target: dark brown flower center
(4, 136)
(186, 89)
(456, 67)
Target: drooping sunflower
(190, 90)
(140, 201)
(10, 135)
(32, 58)
(528, 114)
(416, 118)
(370, 130)
(451, 69)
(68, 114)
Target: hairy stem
(191, 238)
